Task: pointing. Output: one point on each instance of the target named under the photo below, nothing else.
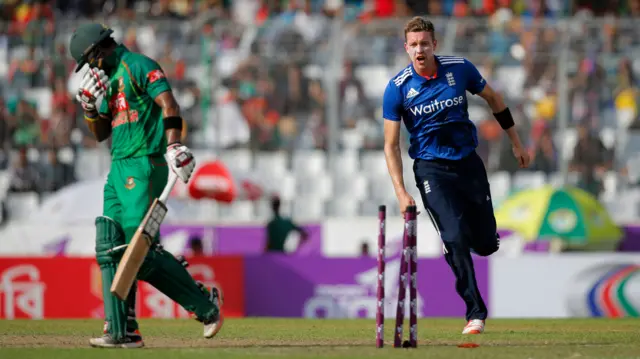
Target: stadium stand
(292, 93)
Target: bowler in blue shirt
(430, 97)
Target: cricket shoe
(213, 325)
(474, 326)
(208, 293)
(131, 341)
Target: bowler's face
(420, 47)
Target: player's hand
(405, 200)
(522, 156)
(94, 84)
(181, 161)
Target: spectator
(626, 94)
(26, 73)
(591, 159)
(195, 246)
(38, 27)
(279, 228)
(544, 156)
(26, 122)
(353, 101)
(59, 65)
(364, 249)
(24, 176)
(7, 127)
(55, 175)
(317, 125)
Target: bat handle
(167, 189)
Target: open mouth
(420, 58)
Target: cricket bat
(140, 243)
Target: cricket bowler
(142, 117)
(429, 96)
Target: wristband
(173, 122)
(91, 119)
(504, 118)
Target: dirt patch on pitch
(251, 343)
(41, 341)
(48, 341)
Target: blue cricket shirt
(435, 110)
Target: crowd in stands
(266, 89)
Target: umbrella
(568, 213)
(214, 180)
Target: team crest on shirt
(450, 80)
(155, 75)
(130, 183)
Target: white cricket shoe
(131, 341)
(474, 326)
(213, 325)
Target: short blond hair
(418, 24)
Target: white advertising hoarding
(565, 285)
(344, 237)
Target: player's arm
(99, 122)
(502, 113)
(477, 85)
(304, 235)
(392, 154)
(392, 114)
(170, 110)
(179, 156)
(151, 78)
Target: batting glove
(181, 161)
(94, 84)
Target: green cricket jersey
(278, 230)
(137, 126)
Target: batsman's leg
(162, 270)
(143, 179)
(109, 241)
(132, 322)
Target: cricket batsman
(429, 96)
(142, 117)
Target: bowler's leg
(445, 206)
(483, 237)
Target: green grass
(297, 338)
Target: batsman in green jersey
(142, 117)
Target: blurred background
(282, 103)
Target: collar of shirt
(435, 75)
(118, 52)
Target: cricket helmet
(84, 40)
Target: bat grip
(167, 189)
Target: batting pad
(110, 235)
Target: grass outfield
(297, 338)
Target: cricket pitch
(303, 338)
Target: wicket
(408, 271)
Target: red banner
(60, 287)
(225, 272)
